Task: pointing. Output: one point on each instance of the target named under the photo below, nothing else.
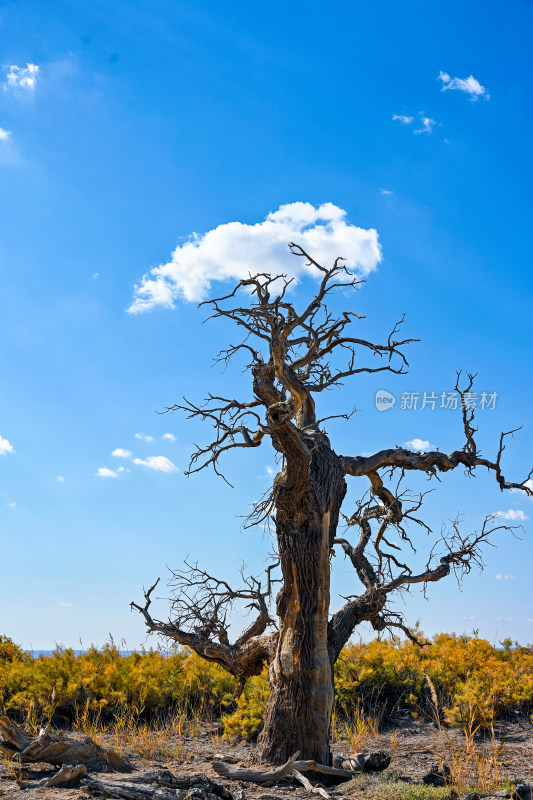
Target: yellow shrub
(473, 680)
(247, 720)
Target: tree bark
(300, 707)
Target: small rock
(270, 797)
(197, 793)
(365, 762)
(523, 791)
(229, 759)
(437, 777)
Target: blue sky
(141, 123)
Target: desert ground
(497, 760)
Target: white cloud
(95, 275)
(468, 618)
(469, 85)
(66, 605)
(513, 514)
(5, 447)
(419, 444)
(119, 452)
(504, 577)
(504, 619)
(169, 437)
(60, 478)
(160, 463)
(403, 119)
(4, 135)
(386, 191)
(427, 125)
(104, 472)
(21, 77)
(270, 471)
(233, 250)
(144, 438)
(11, 505)
(426, 122)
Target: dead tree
(293, 357)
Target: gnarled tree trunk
(300, 706)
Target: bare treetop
(298, 354)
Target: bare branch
(309, 351)
(431, 463)
(201, 611)
(228, 417)
(461, 554)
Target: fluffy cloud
(60, 478)
(159, 463)
(469, 86)
(232, 250)
(119, 452)
(513, 514)
(11, 505)
(4, 135)
(21, 77)
(169, 437)
(504, 577)
(104, 472)
(386, 191)
(5, 447)
(419, 444)
(144, 437)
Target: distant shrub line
(472, 679)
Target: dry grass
(472, 766)
(358, 729)
(160, 739)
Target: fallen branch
(255, 775)
(272, 776)
(52, 749)
(67, 775)
(306, 783)
(162, 784)
(304, 766)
